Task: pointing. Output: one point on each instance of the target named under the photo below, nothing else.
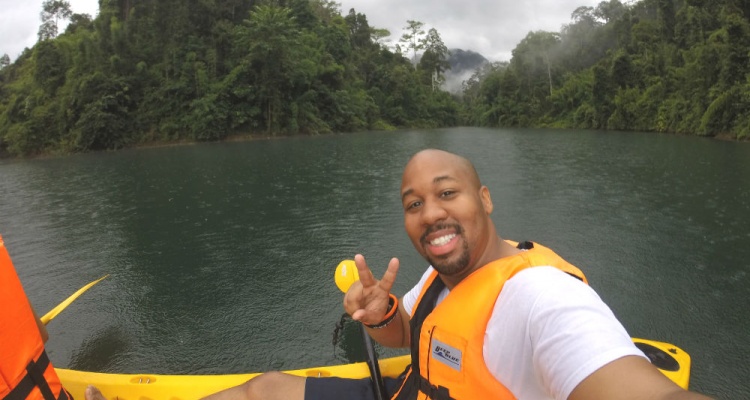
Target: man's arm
(630, 377)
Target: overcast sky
(490, 27)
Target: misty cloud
(490, 27)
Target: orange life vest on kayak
(447, 340)
(25, 369)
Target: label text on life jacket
(446, 354)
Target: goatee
(448, 267)
(443, 264)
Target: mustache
(439, 226)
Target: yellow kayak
(671, 360)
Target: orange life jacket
(447, 340)
(25, 369)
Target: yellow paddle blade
(346, 274)
(58, 309)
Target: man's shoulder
(547, 284)
(545, 275)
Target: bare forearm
(616, 381)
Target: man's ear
(484, 194)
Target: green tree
(533, 55)
(412, 38)
(378, 34)
(4, 60)
(104, 122)
(53, 11)
(579, 37)
(79, 21)
(359, 29)
(271, 39)
(435, 58)
(610, 11)
(666, 12)
(49, 66)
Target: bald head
(436, 160)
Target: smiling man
(489, 319)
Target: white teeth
(443, 240)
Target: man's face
(446, 211)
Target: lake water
(221, 256)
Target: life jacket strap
(528, 245)
(434, 392)
(35, 378)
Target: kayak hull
(184, 387)
(673, 362)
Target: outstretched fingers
(372, 297)
(389, 278)
(368, 279)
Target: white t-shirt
(547, 333)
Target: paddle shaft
(372, 362)
(345, 275)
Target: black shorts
(347, 389)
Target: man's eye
(413, 205)
(447, 193)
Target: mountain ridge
(463, 64)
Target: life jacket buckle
(434, 392)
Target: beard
(447, 265)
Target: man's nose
(433, 212)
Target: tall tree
(271, 38)
(378, 34)
(79, 21)
(4, 61)
(52, 12)
(359, 29)
(610, 11)
(666, 12)
(435, 57)
(533, 55)
(412, 39)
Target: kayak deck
(671, 360)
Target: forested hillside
(676, 66)
(169, 70)
(146, 71)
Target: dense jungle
(151, 72)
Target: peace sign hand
(367, 299)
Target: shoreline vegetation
(237, 137)
(152, 74)
(249, 137)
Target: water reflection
(222, 255)
(102, 350)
